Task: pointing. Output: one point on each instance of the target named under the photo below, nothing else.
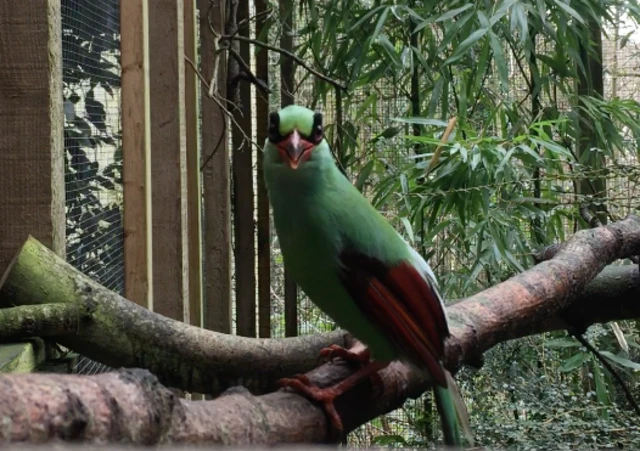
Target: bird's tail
(453, 413)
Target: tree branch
(529, 303)
(286, 54)
(119, 333)
(583, 341)
(498, 313)
(131, 407)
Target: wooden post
(591, 84)
(31, 127)
(216, 178)
(287, 84)
(168, 159)
(244, 244)
(264, 232)
(136, 153)
(194, 180)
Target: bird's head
(296, 139)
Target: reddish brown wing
(401, 303)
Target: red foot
(302, 384)
(334, 351)
(327, 395)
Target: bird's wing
(402, 302)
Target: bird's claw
(326, 396)
(330, 353)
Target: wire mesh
(92, 136)
(620, 67)
(94, 159)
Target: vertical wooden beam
(31, 127)
(287, 85)
(216, 176)
(264, 234)
(136, 153)
(591, 84)
(244, 238)
(168, 159)
(194, 181)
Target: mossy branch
(112, 330)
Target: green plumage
(317, 214)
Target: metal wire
(93, 153)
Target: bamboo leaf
(498, 57)
(381, 20)
(409, 229)
(569, 10)
(502, 10)
(622, 341)
(601, 386)
(453, 13)
(421, 121)
(366, 17)
(621, 361)
(364, 175)
(519, 20)
(472, 39)
(389, 50)
(574, 362)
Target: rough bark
(119, 333)
(131, 406)
(539, 294)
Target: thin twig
(216, 51)
(246, 70)
(610, 368)
(225, 112)
(222, 109)
(287, 54)
(589, 217)
(247, 20)
(443, 140)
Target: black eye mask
(317, 131)
(274, 128)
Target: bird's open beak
(295, 150)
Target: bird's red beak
(294, 149)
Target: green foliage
(551, 392)
(507, 182)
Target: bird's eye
(274, 128)
(318, 129)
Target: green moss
(39, 276)
(24, 357)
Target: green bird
(354, 266)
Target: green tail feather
(453, 413)
(448, 416)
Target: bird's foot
(332, 352)
(327, 395)
(358, 354)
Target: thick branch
(529, 303)
(132, 407)
(537, 295)
(119, 333)
(48, 320)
